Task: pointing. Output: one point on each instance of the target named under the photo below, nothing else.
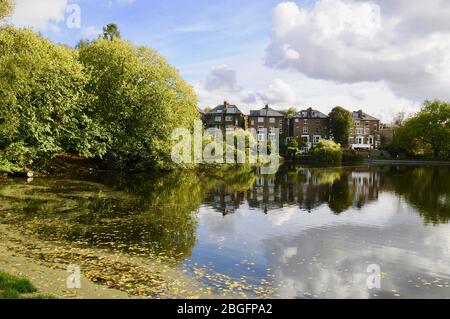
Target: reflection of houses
(365, 187)
(265, 193)
(224, 117)
(311, 126)
(365, 133)
(303, 190)
(224, 201)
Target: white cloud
(349, 41)
(91, 32)
(39, 15)
(279, 92)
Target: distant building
(366, 131)
(311, 126)
(225, 116)
(266, 118)
(387, 132)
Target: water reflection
(308, 232)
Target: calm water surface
(305, 232)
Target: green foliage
(290, 112)
(111, 32)
(42, 100)
(6, 7)
(426, 134)
(341, 123)
(12, 287)
(327, 153)
(352, 156)
(139, 100)
(294, 147)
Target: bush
(352, 156)
(327, 153)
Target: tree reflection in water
(143, 213)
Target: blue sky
(382, 56)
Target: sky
(382, 56)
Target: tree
(139, 101)
(427, 130)
(327, 153)
(6, 7)
(294, 147)
(42, 100)
(111, 32)
(341, 123)
(290, 112)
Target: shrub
(352, 156)
(327, 153)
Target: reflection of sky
(326, 255)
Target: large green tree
(341, 123)
(6, 7)
(42, 100)
(140, 100)
(427, 131)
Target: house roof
(311, 114)
(360, 115)
(226, 108)
(266, 111)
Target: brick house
(311, 126)
(225, 116)
(366, 131)
(266, 118)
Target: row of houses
(309, 125)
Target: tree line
(105, 99)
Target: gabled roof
(266, 111)
(226, 108)
(361, 116)
(311, 114)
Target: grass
(12, 287)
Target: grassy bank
(12, 287)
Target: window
(359, 131)
(296, 120)
(260, 119)
(317, 130)
(272, 137)
(305, 130)
(252, 122)
(357, 123)
(317, 138)
(218, 119)
(359, 140)
(371, 140)
(367, 124)
(272, 120)
(366, 131)
(261, 137)
(305, 122)
(229, 119)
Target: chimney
(267, 106)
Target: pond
(302, 233)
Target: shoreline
(407, 162)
